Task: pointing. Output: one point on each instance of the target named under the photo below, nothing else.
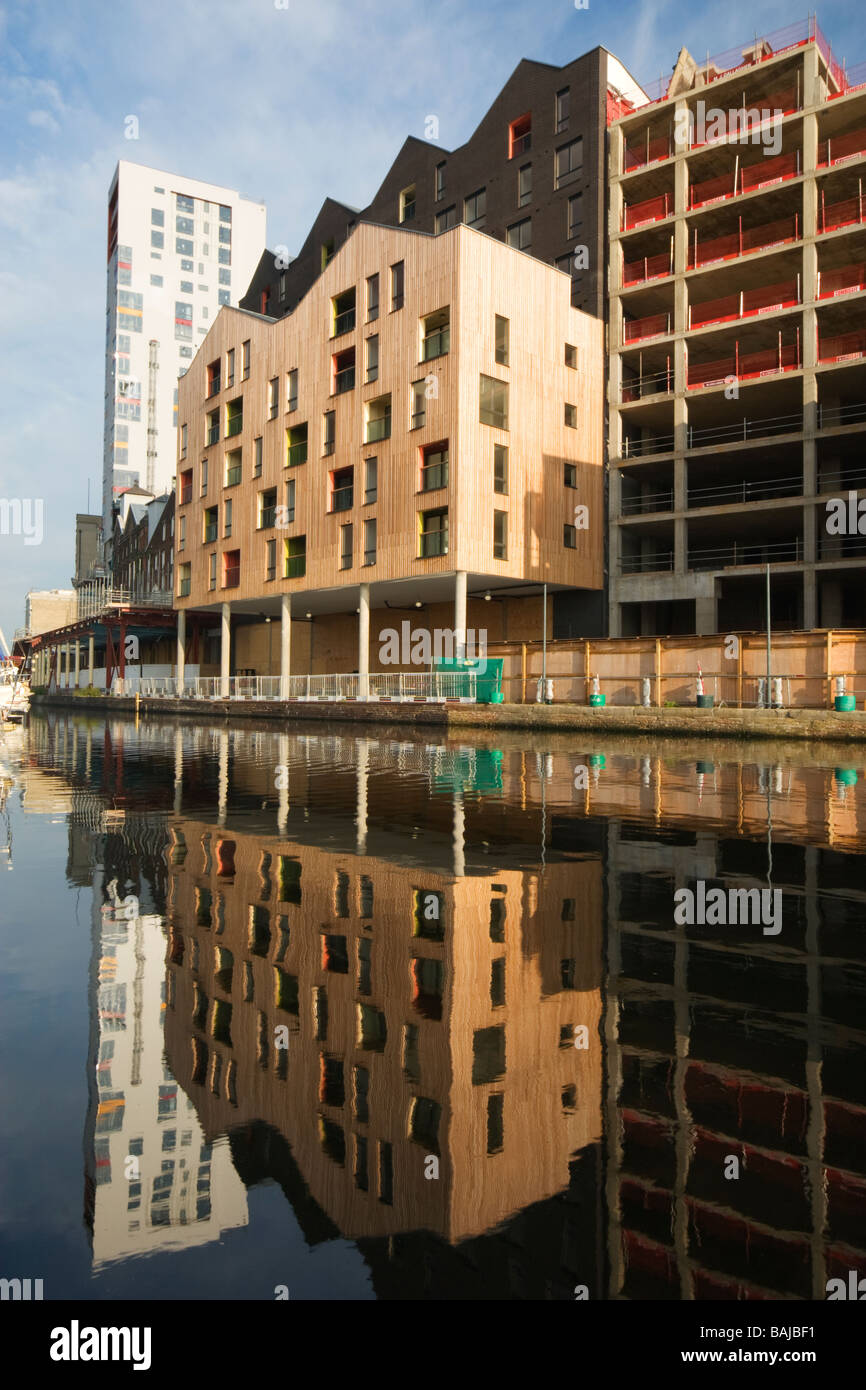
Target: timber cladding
(474, 278)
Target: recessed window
(346, 533)
(397, 285)
(210, 527)
(185, 490)
(501, 330)
(493, 402)
(342, 489)
(230, 367)
(520, 135)
(257, 457)
(500, 469)
(371, 358)
(519, 234)
(204, 473)
(500, 535)
(488, 1055)
(407, 204)
(296, 445)
(434, 467)
(446, 219)
(213, 428)
(233, 468)
(571, 416)
(569, 537)
(439, 182)
(418, 405)
(524, 185)
(370, 543)
(378, 422)
(290, 501)
(571, 356)
(371, 470)
(570, 475)
(267, 509)
(475, 208)
(271, 560)
(327, 252)
(273, 397)
(231, 569)
(436, 334)
(296, 557)
(246, 360)
(184, 437)
(495, 1122)
(575, 215)
(343, 371)
(568, 163)
(212, 571)
(181, 534)
(372, 297)
(433, 533)
(227, 517)
(292, 389)
(234, 417)
(562, 111)
(343, 313)
(184, 580)
(214, 378)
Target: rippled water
(393, 1017)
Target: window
(184, 435)
(435, 334)
(211, 523)
(273, 397)
(418, 405)
(290, 501)
(327, 252)
(342, 490)
(231, 569)
(433, 535)
(186, 265)
(292, 389)
(568, 163)
(156, 280)
(570, 475)
(234, 417)
(497, 982)
(157, 240)
(493, 402)
(225, 213)
(212, 571)
(524, 185)
(561, 111)
(439, 182)
(183, 203)
(257, 457)
(343, 313)
(500, 535)
(371, 365)
(500, 469)
(569, 537)
(378, 419)
(372, 297)
(371, 469)
(182, 246)
(296, 557)
(475, 208)
(187, 287)
(224, 257)
(181, 541)
(185, 486)
(296, 445)
(346, 547)
(233, 468)
(227, 517)
(157, 218)
(343, 371)
(370, 541)
(445, 220)
(407, 204)
(571, 356)
(184, 580)
(271, 560)
(575, 214)
(397, 285)
(519, 234)
(571, 416)
(488, 1055)
(520, 135)
(267, 508)
(434, 467)
(185, 225)
(501, 327)
(213, 428)
(329, 435)
(204, 471)
(245, 358)
(230, 367)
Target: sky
(287, 101)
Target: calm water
(393, 1017)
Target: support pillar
(285, 644)
(364, 642)
(77, 660)
(67, 663)
(225, 649)
(460, 614)
(181, 650)
(90, 655)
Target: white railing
(395, 686)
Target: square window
(571, 416)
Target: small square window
(571, 416)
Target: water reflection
(365, 968)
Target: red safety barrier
(766, 362)
(842, 147)
(843, 346)
(844, 281)
(746, 303)
(637, 156)
(651, 327)
(649, 268)
(739, 243)
(653, 210)
(844, 214)
(767, 171)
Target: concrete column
(225, 649)
(181, 650)
(363, 641)
(285, 644)
(90, 655)
(77, 661)
(706, 611)
(460, 580)
(810, 598)
(67, 665)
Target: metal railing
(649, 563)
(745, 553)
(344, 380)
(378, 429)
(297, 454)
(436, 344)
(234, 425)
(343, 323)
(745, 429)
(830, 415)
(648, 502)
(394, 686)
(746, 490)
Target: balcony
(378, 429)
(746, 553)
(653, 326)
(213, 435)
(269, 518)
(213, 387)
(746, 490)
(648, 502)
(343, 499)
(185, 494)
(344, 380)
(740, 243)
(656, 383)
(651, 562)
(433, 476)
(436, 344)
(231, 576)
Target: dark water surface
(396, 1017)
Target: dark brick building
(533, 173)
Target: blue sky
(286, 105)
